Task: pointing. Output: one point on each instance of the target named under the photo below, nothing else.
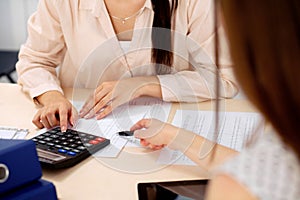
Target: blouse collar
(97, 6)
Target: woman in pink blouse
(112, 47)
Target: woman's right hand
(154, 134)
(56, 110)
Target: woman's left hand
(110, 95)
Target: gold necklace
(123, 20)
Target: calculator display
(49, 155)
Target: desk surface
(97, 178)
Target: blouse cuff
(34, 92)
(169, 88)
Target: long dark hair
(162, 54)
(264, 40)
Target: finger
(88, 105)
(52, 120)
(158, 147)
(89, 109)
(98, 89)
(73, 117)
(144, 131)
(107, 110)
(152, 146)
(45, 122)
(94, 98)
(63, 120)
(102, 103)
(144, 123)
(37, 121)
(90, 114)
(150, 128)
(101, 93)
(144, 143)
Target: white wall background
(13, 22)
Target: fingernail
(63, 129)
(80, 114)
(73, 123)
(100, 116)
(87, 116)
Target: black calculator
(58, 149)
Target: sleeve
(198, 83)
(43, 51)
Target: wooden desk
(96, 178)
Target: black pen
(126, 133)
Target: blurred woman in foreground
(265, 45)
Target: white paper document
(235, 129)
(12, 133)
(122, 119)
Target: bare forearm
(202, 151)
(207, 154)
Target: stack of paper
(12, 133)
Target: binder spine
(19, 164)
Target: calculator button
(42, 142)
(54, 136)
(40, 137)
(79, 142)
(50, 144)
(88, 144)
(67, 148)
(48, 139)
(56, 141)
(76, 150)
(72, 131)
(52, 131)
(71, 153)
(62, 151)
(52, 149)
(73, 145)
(63, 138)
(46, 134)
(71, 140)
(81, 148)
(94, 142)
(99, 139)
(65, 143)
(82, 135)
(85, 139)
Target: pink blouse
(72, 43)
